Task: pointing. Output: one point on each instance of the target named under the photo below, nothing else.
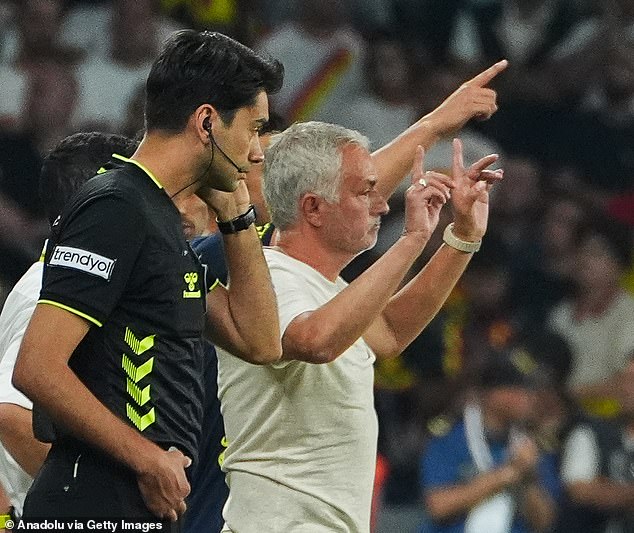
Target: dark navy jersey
(118, 258)
(211, 252)
(209, 490)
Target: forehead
(258, 112)
(356, 164)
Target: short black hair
(74, 161)
(196, 68)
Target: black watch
(241, 222)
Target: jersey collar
(141, 166)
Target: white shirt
(14, 319)
(302, 437)
(601, 345)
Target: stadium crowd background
(555, 272)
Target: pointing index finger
(487, 75)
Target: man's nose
(379, 205)
(256, 155)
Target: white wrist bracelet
(463, 246)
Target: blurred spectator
(88, 26)
(598, 319)
(22, 223)
(544, 266)
(484, 472)
(31, 37)
(556, 413)
(488, 321)
(109, 81)
(386, 108)
(427, 25)
(323, 61)
(548, 58)
(36, 33)
(598, 470)
(517, 203)
(235, 18)
(51, 100)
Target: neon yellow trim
(141, 166)
(215, 284)
(101, 170)
(41, 259)
(74, 311)
(262, 229)
(141, 422)
(136, 373)
(193, 294)
(141, 396)
(138, 346)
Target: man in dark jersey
(113, 352)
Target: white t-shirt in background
(14, 319)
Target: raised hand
(164, 485)
(470, 199)
(473, 99)
(424, 198)
(525, 456)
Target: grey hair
(305, 158)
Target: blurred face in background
(560, 224)
(598, 265)
(134, 35)
(513, 405)
(389, 71)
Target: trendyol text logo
(78, 259)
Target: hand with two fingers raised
(470, 200)
(425, 197)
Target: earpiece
(207, 126)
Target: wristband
(241, 222)
(458, 244)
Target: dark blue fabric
(208, 488)
(447, 461)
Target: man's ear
(203, 120)
(312, 209)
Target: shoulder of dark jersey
(115, 180)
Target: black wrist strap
(241, 222)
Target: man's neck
(303, 245)
(171, 162)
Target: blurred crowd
(554, 278)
